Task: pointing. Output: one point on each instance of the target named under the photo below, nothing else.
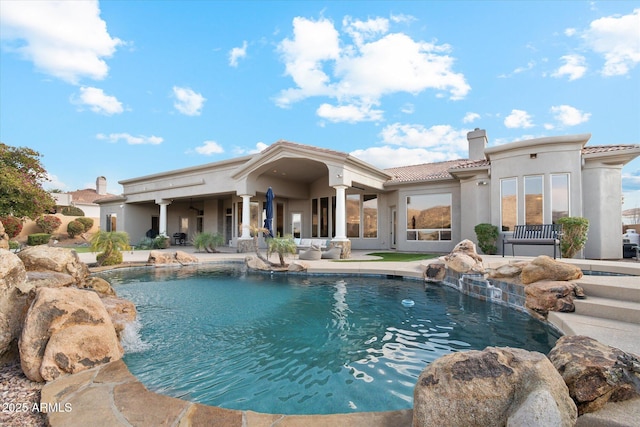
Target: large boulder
(13, 301)
(595, 373)
(120, 310)
(464, 258)
(61, 260)
(545, 296)
(493, 387)
(547, 268)
(434, 271)
(66, 330)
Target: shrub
(12, 225)
(13, 245)
(38, 239)
(208, 241)
(145, 243)
(72, 211)
(161, 242)
(112, 258)
(574, 235)
(75, 228)
(487, 237)
(87, 223)
(48, 223)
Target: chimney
(101, 185)
(477, 143)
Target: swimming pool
(300, 344)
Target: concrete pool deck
(110, 395)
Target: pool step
(608, 308)
(625, 288)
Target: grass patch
(396, 257)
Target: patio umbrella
(269, 219)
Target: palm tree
(281, 246)
(208, 241)
(109, 244)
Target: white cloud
(569, 116)
(209, 147)
(616, 38)
(98, 101)
(570, 32)
(348, 113)
(65, 39)
(187, 101)
(518, 119)
(408, 108)
(574, 67)
(237, 53)
(470, 117)
(260, 146)
(130, 139)
(390, 157)
(378, 63)
(54, 183)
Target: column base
(346, 247)
(245, 246)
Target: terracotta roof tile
(608, 148)
(424, 172)
(87, 195)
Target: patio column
(341, 214)
(163, 216)
(246, 217)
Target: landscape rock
(545, 296)
(255, 263)
(546, 268)
(66, 330)
(4, 237)
(161, 258)
(49, 279)
(507, 271)
(120, 310)
(493, 387)
(13, 302)
(185, 258)
(297, 266)
(100, 286)
(45, 258)
(595, 373)
(464, 258)
(435, 272)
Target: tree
(21, 178)
(208, 241)
(109, 244)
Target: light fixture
(482, 183)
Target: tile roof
(87, 195)
(424, 172)
(608, 148)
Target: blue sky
(129, 88)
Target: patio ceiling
(299, 170)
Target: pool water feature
(301, 344)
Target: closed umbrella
(269, 219)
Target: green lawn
(397, 257)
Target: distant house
(321, 193)
(85, 199)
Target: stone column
(245, 243)
(163, 216)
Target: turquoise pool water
(297, 344)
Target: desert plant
(208, 241)
(72, 211)
(161, 242)
(75, 228)
(48, 223)
(12, 225)
(145, 243)
(87, 223)
(487, 237)
(574, 235)
(109, 244)
(38, 239)
(281, 246)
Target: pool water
(298, 344)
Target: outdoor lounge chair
(311, 254)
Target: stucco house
(321, 193)
(85, 199)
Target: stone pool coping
(109, 395)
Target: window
(370, 216)
(509, 203)
(533, 201)
(314, 218)
(111, 222)
(184, 225)
(353, 215)
(320, 217)
(559, 196)
(254, 214)
(429, 217)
